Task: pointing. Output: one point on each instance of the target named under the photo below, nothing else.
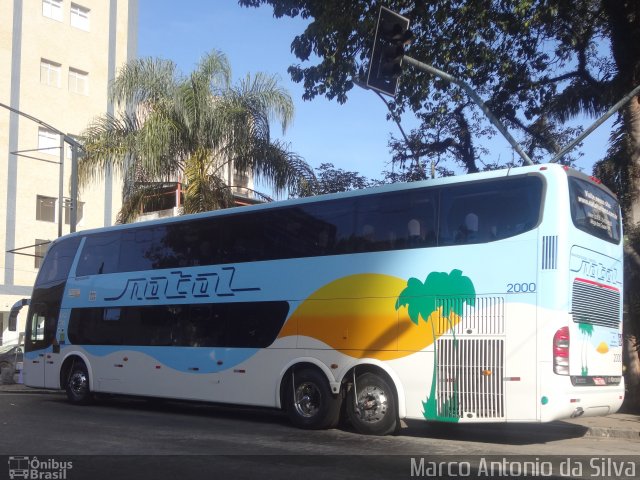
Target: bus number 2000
(521, 287)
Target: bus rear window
(594, 211)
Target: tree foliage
(329, 179)
(537, 64)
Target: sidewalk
(19, 388)
(617, 425)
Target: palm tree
(421, 300)
(192, 129)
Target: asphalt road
(132, 438)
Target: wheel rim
(307, 399)
(79, 383)
(372, 404)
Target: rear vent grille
(595, 304)
(550, 252)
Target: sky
(353, 136)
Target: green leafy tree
(537, 64)
(421, 300)
(329, 179)
(191, 128)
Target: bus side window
(135, 250)
(199, 327)
(468, 230)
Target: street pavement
(617, 425)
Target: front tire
(309, 402)
(77, 386)
(371, 406)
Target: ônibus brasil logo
(37, 469)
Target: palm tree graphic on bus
(425, 300)
(587, 332)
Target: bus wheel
(309, 402)
(371, 406)
(77, 387)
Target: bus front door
(42, 351)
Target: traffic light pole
(476, 98)
(385, 66)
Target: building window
(41, 247)
(45, 208)
(78, 81)
(50, 73)
(67, 211)
(48, 141)
(79, 17)
(52, 9)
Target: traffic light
(392, 34)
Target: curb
(18, 388)
(609, 432)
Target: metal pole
(476, 98)
(61, 188)
(73, 217)
(416, 157)
(406, 139)
(597, 123)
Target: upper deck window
(57, 262)
(465, 213)
(482, 212)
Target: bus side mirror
(13, 321)
(13, 315)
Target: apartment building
(56, 60)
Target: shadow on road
(500, 433)
(193, 409)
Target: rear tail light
(561, 351)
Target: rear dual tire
(309, 402)
(371, 406)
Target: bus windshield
(594, 211)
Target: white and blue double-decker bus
(492, 297)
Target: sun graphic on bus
(378, 316)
